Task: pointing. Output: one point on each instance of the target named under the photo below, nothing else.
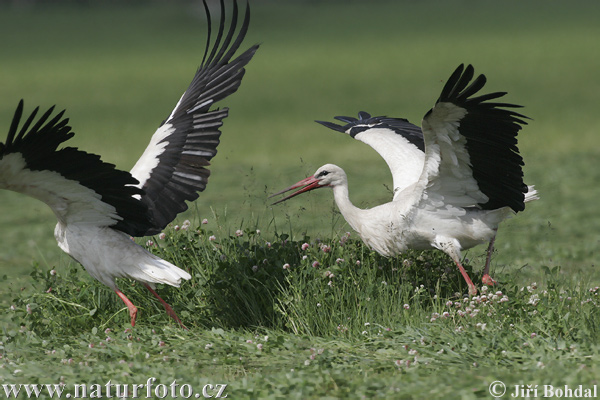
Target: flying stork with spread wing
(99, 207)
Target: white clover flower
(204, 221)
(406, 307)
(305, 246)
(162, 236)
(239, 233)
(534, 299)
(212, 238)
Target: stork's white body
(107, 254)
(403, 224)
(83, 230)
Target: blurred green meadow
(119, 69)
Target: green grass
(379, 328)
(118, 70)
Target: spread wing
(397, 141)
(173, 168)
(78, 186)
(471, 153)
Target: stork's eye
(322, 174)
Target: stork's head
(327, 175)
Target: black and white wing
(78, 186)
(471, 154)
(397, 141)
(172, 169)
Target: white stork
(453, 184)
(99, 207)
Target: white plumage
(99, 207)
(450, 194)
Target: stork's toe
(488, 280)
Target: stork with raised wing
(453, 195)
(99, 207)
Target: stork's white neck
(351, 213)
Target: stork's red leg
(487, 279)
(167, 307)
(472, 288)
(132, 309)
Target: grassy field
(119, 70)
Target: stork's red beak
(306, 184)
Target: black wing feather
(181, 171)
(401, 126)
(38, 146)
(491, 131)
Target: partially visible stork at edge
(99, 207)
(454, 181)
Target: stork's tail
(154, 270)
(531, 194)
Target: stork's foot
(472, 287)
(132, 309)
(168, 308)
(133, 315)
(472, 290)
(488, 280)
(171, 313)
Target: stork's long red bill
(306, 184)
